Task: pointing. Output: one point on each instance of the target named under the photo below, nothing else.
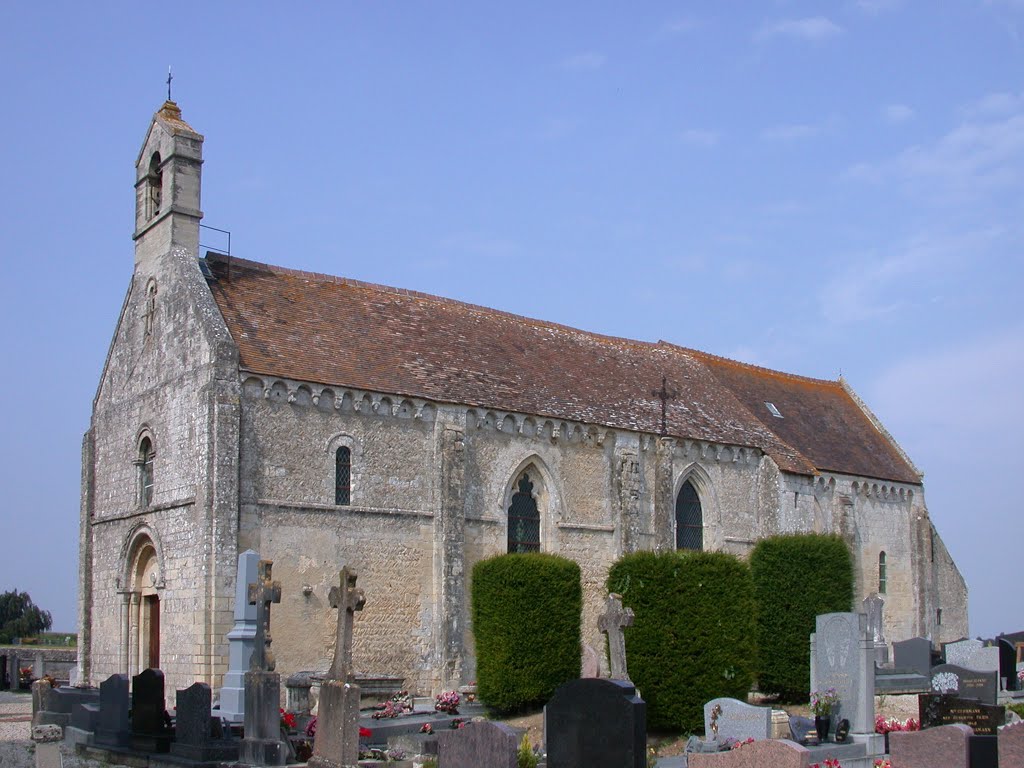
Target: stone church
(324, 422)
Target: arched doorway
(689, 519)
(142, 602)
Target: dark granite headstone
(842, 731)
(149, 718)
(478, 744)
(85, 716)
(799, 727)
(1008, 664)
(983, 752)
(965, 683)
(113, 728)
(914, 654)
(937, 709)
(597, 723)
(194, 728)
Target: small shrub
(796, 577)
(693, 636)
(526, 757)
(526, 623)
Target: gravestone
(965, 683)
(612, 622)
(297, 688)
(914, 654)
(1008, 665)
(800, 727)
(984, 659)
(47, 739)
(944, 709)
(337, 733)
(60, 702)
(1011, 746)
(113, 728)
(872, 606)
(945, 746)
(734, 719)
(842, 657)
(262, 744)
(85, 719)
(959, 651)
(597, 723)
(477, 744)
(150, 732)
(760, 754)
(41, 701)
(194, 728)
(241, 640)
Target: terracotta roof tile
(342, 332)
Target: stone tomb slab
(736, 720)
(936, 710)
(478, 744)
(984, 659)
(965, 683)
(946, 746)
(194, 727)
(150, 731)
(596, 723)
(777, 754)
(113, 729)
(1011, 746)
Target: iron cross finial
(169, 78)
(665, 394)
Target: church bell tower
(168, 175)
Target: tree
(19, 617)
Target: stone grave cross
(612, 622)
(261, 594)
(347, 599)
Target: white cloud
(699, 138)
(584, 62)
(897, 113)
(985, 152)
(814, 29)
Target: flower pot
(821, 724)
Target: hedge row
(526, 623)
(796, 577)
(693, 638)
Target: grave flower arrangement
(311, 727)
(427, 728)
(287, 721)
(1020, 677)
(830, 762)
(883, 725)
(823, 702)
(738, 744)
(399, 704)
(882, 762)
(447, 702)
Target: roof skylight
(773, 410)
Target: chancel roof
(340, 332)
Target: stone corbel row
(707, 451)
(341, 399)
(882, 492)
(528, 426)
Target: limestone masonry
(324, 422)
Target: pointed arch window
(689, 519)
(343, 476)
(882, 575)
(524, 519)
(154, 185)
(145, 464)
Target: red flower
(365, 733)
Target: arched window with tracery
(524, 519)
(144, 462)
(343, 476)
(882, 575)
(689, 519)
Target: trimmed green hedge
(796, 577)
(526, 624)
(693, 638)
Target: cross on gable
(612, 622)
(665, 394)
(261, 594)
(347, 599)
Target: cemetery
(526, 614)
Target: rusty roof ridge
(323, 277)
(877, 424)
(752, 366)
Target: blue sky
(811, 186)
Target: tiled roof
(340, 332)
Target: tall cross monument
(614, 619)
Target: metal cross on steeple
(664, 394)
(169, 78)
